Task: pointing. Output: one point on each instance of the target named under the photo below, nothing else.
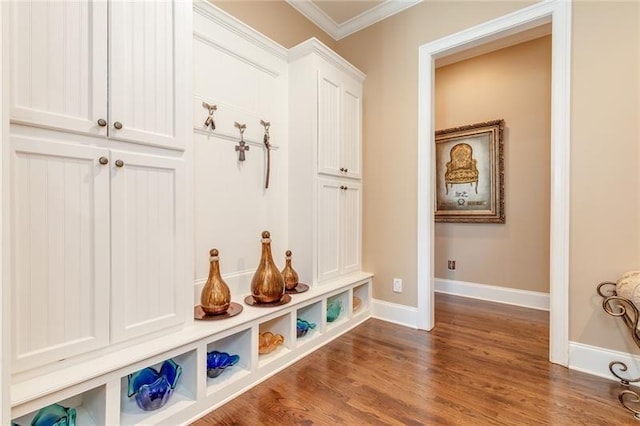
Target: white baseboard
(528, 299)
(595, 360)
(395, 313)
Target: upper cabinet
(339, 123)
(109, 69)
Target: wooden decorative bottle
(215, 297)
(289, 275)
(267, 285)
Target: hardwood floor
(483, 364)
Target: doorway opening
(558, 14)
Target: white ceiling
(340, 18)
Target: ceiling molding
(337, 31)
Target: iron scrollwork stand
(618, 306)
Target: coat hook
(267, 146)
(210, 121)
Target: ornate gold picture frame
(469, 179)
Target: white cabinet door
(329, 131)
(59, 64)
(329, 240)
(148, 231)
(146, 72)
(350, 218)
(351, 129)
(60, 251)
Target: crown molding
(313, 45)
(337, 31)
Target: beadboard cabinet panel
(351, 129)
(147, 243)
(143, 79)
(329, 240)
(329, 122)
(350, 228)
(60, 249)
(59, 64)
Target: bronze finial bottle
(215, 297)
(289, 275)
(267, 285)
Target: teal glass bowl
(54, 415)
(334, 308)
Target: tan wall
(388, 53)
(278, 20)
(513, 84)
(605, 190)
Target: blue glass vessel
(153, 389)
(303, 327)
(218, 361)
(54, 415)
(334, 307)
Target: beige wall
(605, 191)
(276, 19)
(388, 53)
(605, 160)
(513, 84)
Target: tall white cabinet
(98, 105)
(325, 138)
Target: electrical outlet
(397, 285)
(451, 265)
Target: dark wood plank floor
(483, 364)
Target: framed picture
(470, 173)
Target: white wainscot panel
(232, 207)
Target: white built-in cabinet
(99, 99)
(325, 121)
(100, 68)
(100, 260)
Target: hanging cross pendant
(242, 146)
(267, 145)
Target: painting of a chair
(461, 168)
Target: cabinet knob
(342, 169)
(346, 170)
(119, 163)
(346, 187)
(103, 160)
(102, 122)
(117, 125)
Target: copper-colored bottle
(289, 275)
(215, 297)
(267, 285)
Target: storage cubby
(235, 344)
(363, 293)
(341, 299)
(314, 314)
(183, 395)
(89, 406)
(282, 325)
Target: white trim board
(369, 17)
(595, 360)
(510, 296)
(394, 313)
(558, 12)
